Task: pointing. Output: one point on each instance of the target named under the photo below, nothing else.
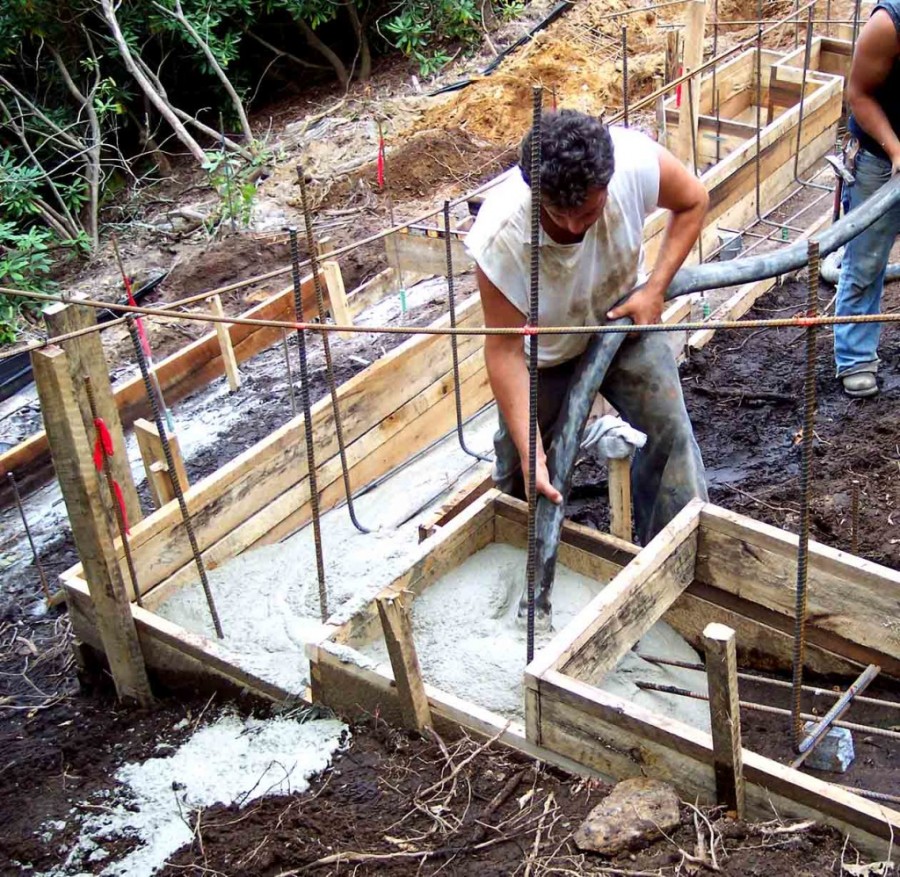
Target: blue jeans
(862, 270)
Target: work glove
(612, 438)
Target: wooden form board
(731, 183)
(570, 715)
(390, 410)
(184, 371)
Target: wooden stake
(405, 663)
(85, 357)
(90, 521)
(725, 716)
(620, 498)
(660, 112)
(154, 458)
(337, 295)
(226, 347)
(695, 23)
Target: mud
(744, 392)
(363, 805)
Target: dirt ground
(60, 744)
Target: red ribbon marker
(530, 330)
(120, 499)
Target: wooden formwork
(711, 565)
(341, 677)
(731, 182)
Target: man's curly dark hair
(576, 156)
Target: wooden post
(695, 24)
(154, 458)
(405, 663)
(84, 356)
(337, 295)
(660, 112)
(725, 716)
(620, 498)
(324, 246)
(226, 347)
(70, 447)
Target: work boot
(860, 384)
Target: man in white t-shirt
(597, 187)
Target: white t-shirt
(580, 282)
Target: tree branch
(315, 42)
(163, 107)
(182, 19)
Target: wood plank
(618, 737)
(181, 373)
(759, 645)
(226, 348)
(256, 477)
(620, 498)
(423, 419)
(410, 254)
(479, 484)
(398, 637)
(153, 455)
(595, 640)
(852, 598)
(725, 715)
(692, 58)
(90, 522)
(337, 295)
(467, 534)
(587, 538)
(85, 357)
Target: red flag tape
(120, 499)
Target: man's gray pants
(643, 385)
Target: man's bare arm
(876, 51)
(508, 374)
(682, 193)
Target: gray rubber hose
(830, 269)
(602, 348)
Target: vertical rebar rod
(454, 340)
(694, 152)
(856, 11)
(308, 424)
(759, 31)
(288, 370)
(173, 472)
(326, 347)
(854, 517)
(715, 86)
(45, 587)
(806, 61)
(625, 75)
(533, 320)
(809, 413)
(110, 486)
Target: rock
(636, 811)
(835, 753)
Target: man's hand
(542, 482)
(645, 307)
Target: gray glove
(612, 438)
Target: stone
(635, 812)
(835, 753)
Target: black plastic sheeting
(551, 16)
(15, 372)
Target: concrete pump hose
(830, 269)
(602, 349)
